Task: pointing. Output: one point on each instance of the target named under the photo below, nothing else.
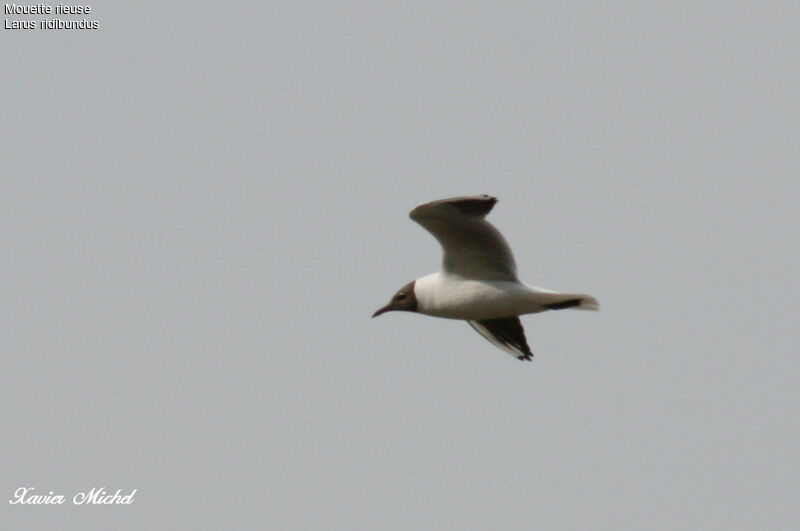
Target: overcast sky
(202, 205)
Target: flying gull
(478, 281)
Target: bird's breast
(451, 297)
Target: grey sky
(201, 206)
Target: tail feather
(588, 303)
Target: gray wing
(472, 247)
(505, 333)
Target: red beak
(385, 309)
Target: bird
(478, 280)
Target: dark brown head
(404, 300)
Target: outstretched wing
(505, 333)
(472, 247)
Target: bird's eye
(400, 296)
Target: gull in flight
(478, 281)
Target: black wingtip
(471, 205)
(564, 305)
(475, 205)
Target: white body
(451, 296)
